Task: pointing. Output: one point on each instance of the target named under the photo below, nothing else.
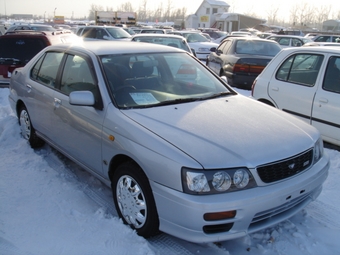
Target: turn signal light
(219, 215)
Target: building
(331, 25)
(214, 14)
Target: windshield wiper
(220, 94)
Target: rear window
(23, 49)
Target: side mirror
(213, 49)
(105, 37)
(85, 98)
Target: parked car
(305, 82)
(221, 39)
(289, 40)
(199, 44)
(152, 31)
(242, 59)
(110, 33)
(30, 26)
(214, 33)
(327, 38)
(264, 35)
(321, 44)
(176, 41)
(293, 32)
(125, 112)
(19, 47)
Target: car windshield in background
(195, 37)
(169, 41)
(257, 48)
(118, 33)
(147, 80)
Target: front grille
(286, 168)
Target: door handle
(323, 100)
(29, 88)
(57, 102)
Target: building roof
(216, 2)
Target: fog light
(219, 215)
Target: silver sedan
(183, 152)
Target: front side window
(152, 80)
(77, 76)
(46, 69)
(301, 69)
(332, 75)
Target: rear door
(326, 106)
(293, 86)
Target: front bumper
(181, 215)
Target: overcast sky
(80, 8)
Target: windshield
(118, 33)
(150, 80)
(195, 37)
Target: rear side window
(23, 49)
(301, 69)
(46, 69)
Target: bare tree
(272, 13)
(125, 7)
(93, 10)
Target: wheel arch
(116, 161)
(266, 101)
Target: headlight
(318, 150)
(216, 181)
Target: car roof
(159, 35)
(116, 47)
(289, 36)
(320, 49)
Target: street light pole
(54, 14)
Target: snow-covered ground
(48, 205)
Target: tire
(27, 130)
(133, 199)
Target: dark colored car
(18, 47)
(34, 27)
(242, 59)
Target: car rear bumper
(182, 215)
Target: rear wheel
(134, 200)
(27, 130)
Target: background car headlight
(318, 150)
(216, 181)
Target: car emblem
(291, 166)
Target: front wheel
(134, 200)
(27, 130)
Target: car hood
(232, 131)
